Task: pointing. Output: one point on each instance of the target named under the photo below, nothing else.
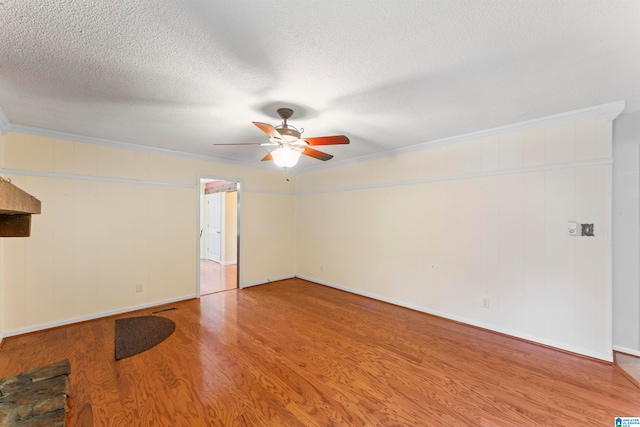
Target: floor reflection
(216, 277)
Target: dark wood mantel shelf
(16, 208)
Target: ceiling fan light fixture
(285, 156)
(289, 145)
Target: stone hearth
(36, 398)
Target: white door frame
(200, 200)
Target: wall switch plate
(139, 287)
(486, 303)
(587, 230)
(572, 228)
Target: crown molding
(46, 133)
(608, 111)
(4, 123)
(612, 110)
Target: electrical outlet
(321, 268)
(139, 287)
(486, 303)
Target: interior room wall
(626, 233)
(114, 218)
(231, 227)
(1, 290)
(267, 227)
(1, 258)
(472, 221)
(1, 254)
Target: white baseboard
(629, 351)
(78, 319)
(559, 345)
(269, 280)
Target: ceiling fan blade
(268, 129)
(317, 154)
(252, 143)
(327, 140)
(267, 157)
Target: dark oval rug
(137, 334)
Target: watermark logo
(627, 422)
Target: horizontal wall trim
(481, 174)
(489, 327)
(94, 316)
(281, 193)
(607, 111)
(269, 280)
(58, 175)
(626, 350)
(46, 133)
(225, 263)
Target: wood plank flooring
(294, 353)
(216, 277)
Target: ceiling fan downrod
(285, 129)
(284, 114)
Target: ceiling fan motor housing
(289, 131)
(285, 113)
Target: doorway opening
(219, 244)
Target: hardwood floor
(216, 277)
(293, 353)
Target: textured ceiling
(183, 75)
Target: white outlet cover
(572, 228)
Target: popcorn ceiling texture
(183, 75)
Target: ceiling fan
(289, 144)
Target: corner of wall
(505, 182)
(626, 233)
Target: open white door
(214, 226)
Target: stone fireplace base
(36, 398)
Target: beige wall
(442, 228)
(267, 226)
(438, 229)
(2, 329)
(1, 287)
(231, 227)
(113, 218)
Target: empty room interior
(363, 213)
